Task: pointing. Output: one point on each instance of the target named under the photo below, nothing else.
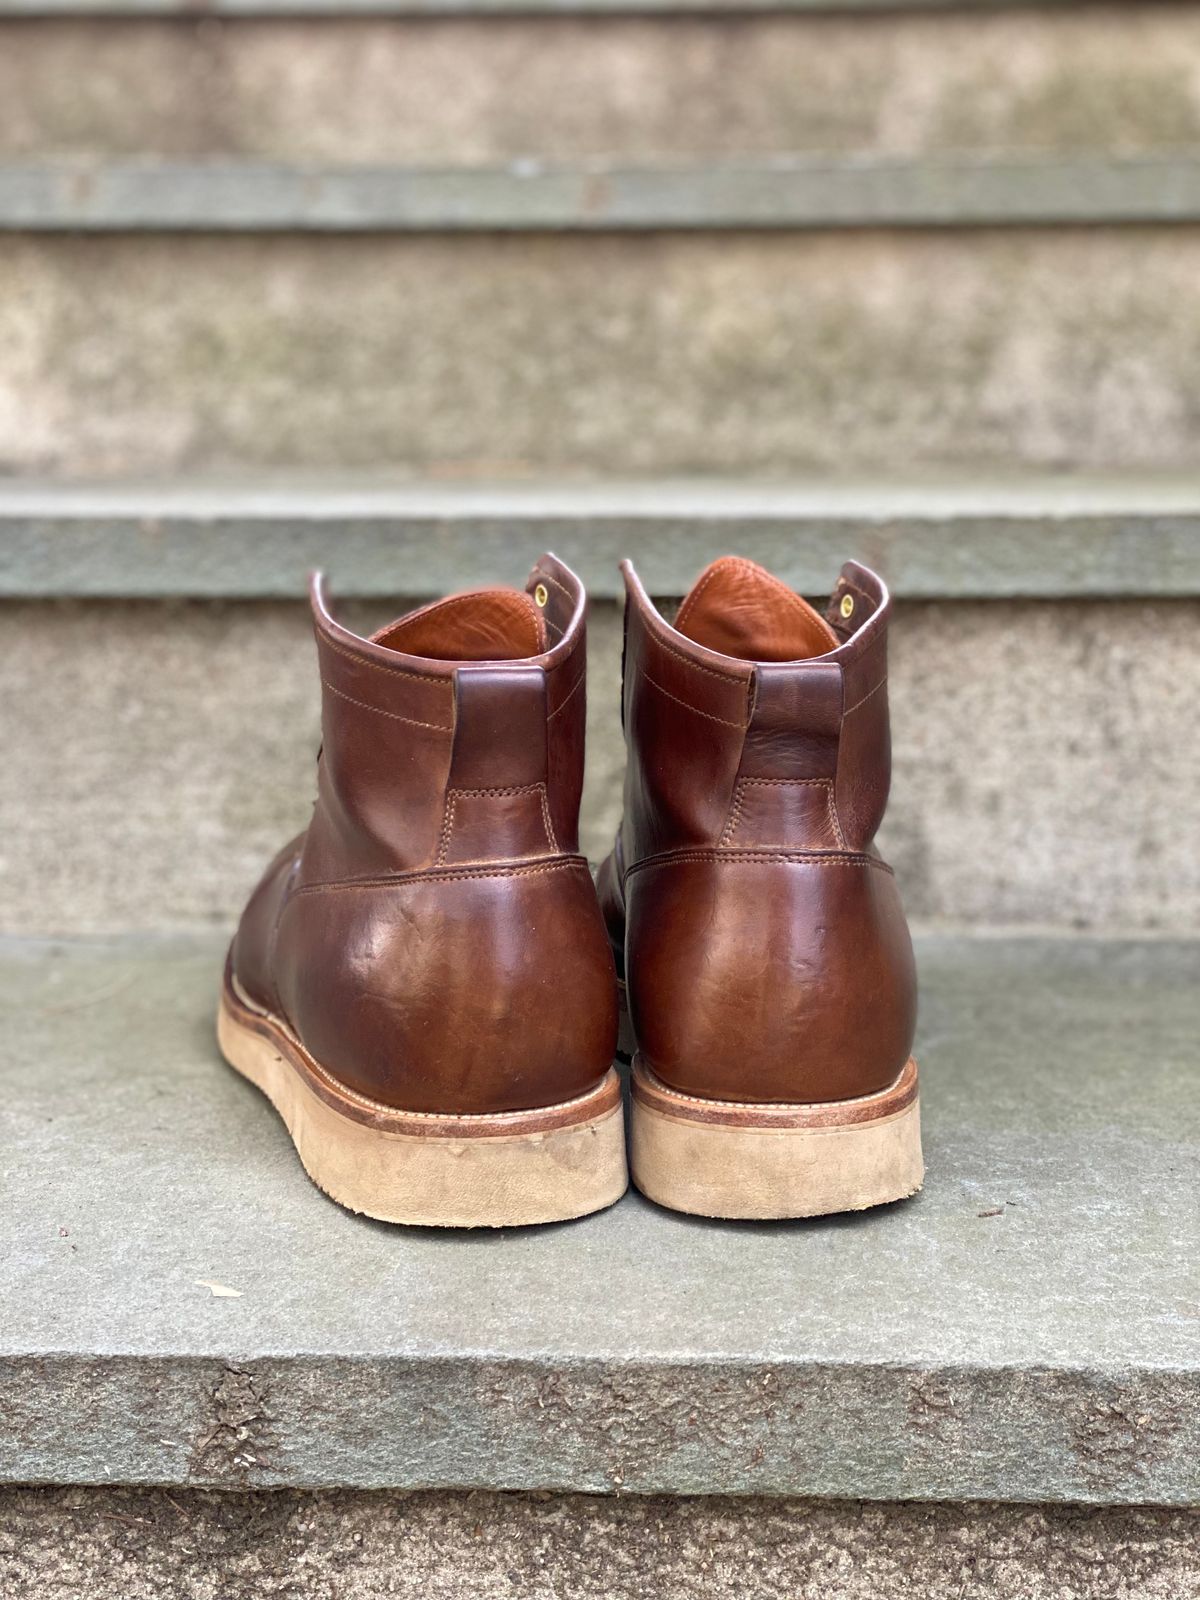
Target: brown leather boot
(769, 971)
(421, 983)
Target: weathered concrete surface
(789, 193)
(1037, 535)
(502, 356)
(470, 90)
(1028, 1328)
(158, 754)
(113, 1544)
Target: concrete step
(619, 354)
(1025, 1330)
(1037, 536)
(718, 82)
(158, 753)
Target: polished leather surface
(765, 950)
(434, 938)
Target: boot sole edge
(770, 1162)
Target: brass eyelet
(847, 606)
(541, 594)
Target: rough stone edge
(604, 1426)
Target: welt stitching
(365, 705)
(378, 666)
(865, 697)
(450, 875)
(687, 705)
(855, 1100)
(579, 679)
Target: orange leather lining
(477, 625)
(741, 610)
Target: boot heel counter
(465, 989)
(757, 976)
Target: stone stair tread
(1028, 1328)
(977, 536)
(790, 192)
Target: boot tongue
(737, 608)
(479, 625)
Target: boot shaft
(455, 734)
(420, 936)
(786, 746)
(766, 955)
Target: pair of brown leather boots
(428, 985)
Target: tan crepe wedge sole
(423, 1168)
(719, 1158)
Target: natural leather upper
(766, 953)
(420, 936)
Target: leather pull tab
(496, 800)
(796, 722)
(499, 727)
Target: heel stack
(721, 1158)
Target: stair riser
(477, 90)
(668, 353)
(1039, 773)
